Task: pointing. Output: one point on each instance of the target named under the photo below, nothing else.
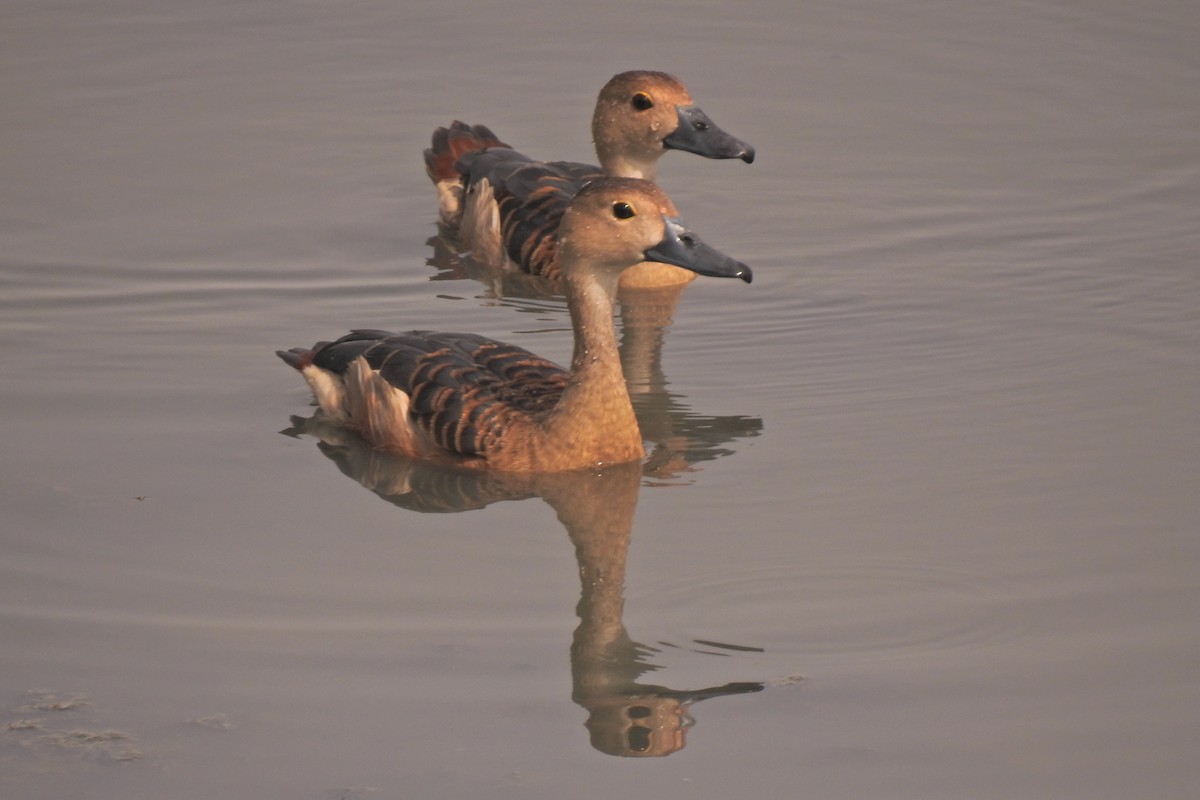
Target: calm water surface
(921, 518)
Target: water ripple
(843, 612)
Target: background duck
(483, 403)
(504, 207)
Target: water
(920, 519)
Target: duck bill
(683, 248)
(700, 135)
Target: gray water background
(931, 481)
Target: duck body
(450, 396)
(504, 207)
(481, 403)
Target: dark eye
(641, 101)
(623, 210)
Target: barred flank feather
(532, 202)
(461, 388)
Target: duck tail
(297, 358)
(452, 143)
(448, 146)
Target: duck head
(642, 114)
(614, 223)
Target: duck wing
(532, 197)
(463, 389)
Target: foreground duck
(505, 208)
(482, 403)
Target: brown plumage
(505, 207)
(441, 158)
(483, 403)
(451, 144)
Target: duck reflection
(626, 717)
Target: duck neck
(591, 299)
(595, 415)
(626, 166)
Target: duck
(503, 206)
(479, 403)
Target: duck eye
(641, 101)
(623, 210)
